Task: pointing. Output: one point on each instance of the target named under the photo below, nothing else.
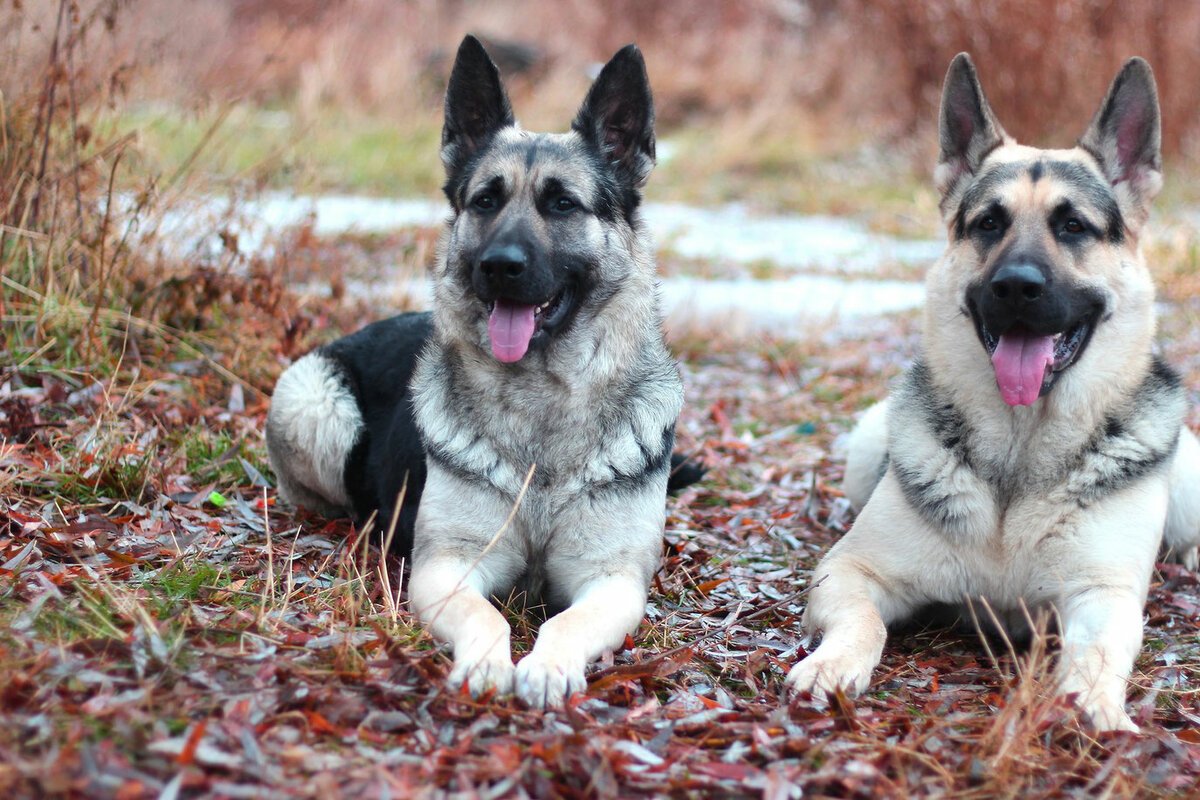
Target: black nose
(503, 262)
(1018, 284)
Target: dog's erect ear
(1126, 138)
(618, 115)
(476, 104)
(967, 128)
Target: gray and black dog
(530, 418)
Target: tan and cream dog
(1034, 455)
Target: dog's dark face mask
(1043, 231)
(532, 211)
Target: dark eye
(1073, 226)
(485, 201)
(988, 224)
(564, 205)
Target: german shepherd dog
(533, 413)
(1034, 455)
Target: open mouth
(513, 326)
(1027, 363)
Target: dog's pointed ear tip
(472, 54)
(961, 65)
(1138, 69)
(470, 43)
(1137, 63)
(631, 51)
(628, 59)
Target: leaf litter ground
(160, 640)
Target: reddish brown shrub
(1045, 66)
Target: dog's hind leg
(312, 426)
(866, 455)
(1181, 536)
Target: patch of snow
(734, 233)
(728, 233)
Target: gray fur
(588, 413)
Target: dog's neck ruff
(955, 455)
(490, 426)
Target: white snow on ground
(728, 233)
(784, 307)
(733, 233)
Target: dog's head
(1043, 271)
(544, 228)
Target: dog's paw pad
(546, 682)
(483, 674)
(1109, 717)
(821, 675)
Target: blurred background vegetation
(115, 112)
(326, 94)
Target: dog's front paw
(1103, 713)
(546, 681)
(483, 671)
(822, 673)
(1107, 716)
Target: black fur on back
(377, 364)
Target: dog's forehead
(1032, 177)
(524, 159)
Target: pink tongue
(510, 328)
(1020, 362)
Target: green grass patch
(333, 152)
(187, 580)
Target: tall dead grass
(860, 68)
(86, 287)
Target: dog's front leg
(1110, 558)
(602, 612)
(1102, 634)
(843, 610)
(863, 584)
(600, 563)
(449, 596)
(459, 561)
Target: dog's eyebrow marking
(980, 190)
(495, 185)
(1085, 184)
(1096, 192)
(1066, 210)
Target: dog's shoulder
(1137, 438)
(930, 454)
